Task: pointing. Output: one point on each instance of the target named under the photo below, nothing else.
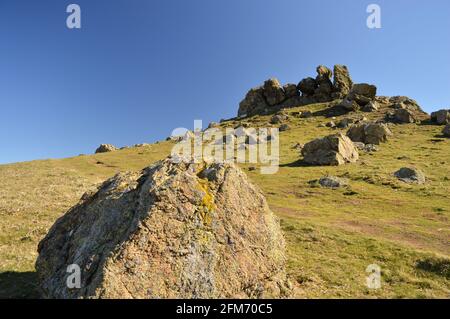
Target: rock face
(362, 93)
(170, 231)
(341, 81)
(441, 117)
(333, 150)
(410, 175)
(370, 133)
(403, 115)
(104, 148)
(273, 92)
(446, 131)
(307, 86)
(253, 103)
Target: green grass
(332, 235)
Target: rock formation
(170, 231)
(333, 150)
(104, 148)
(341, 81)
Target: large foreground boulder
(332, 150)
(170, 231)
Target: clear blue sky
(138, 69)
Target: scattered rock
(370, 133)
(344, 123)
(410, 175)
(349, 105)
(306, 114)
(335, 149)
(284, 127)
(369, 148)
(278, 118)
(104, 148)
(446, 131)
(332, 182)
(441, 117)
(170, 231)
(330, 124)
(372, 106)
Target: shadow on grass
(18, 285)
(297, 163)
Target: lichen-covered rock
(410, 175)
(342, 81)
(441, 117)
(332, 150)
(170, 231)
(104, 148)
(273, 92)
(369, 133)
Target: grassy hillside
(332, 235)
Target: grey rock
(410, 175)
(169, 231)
(332, 150)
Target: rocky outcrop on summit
(253, 103)
(332, 150)
(273, 92)
(170, 231)
(272, 96)
(104, 148)
(369, 133)
(341, 81)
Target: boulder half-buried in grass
(410, 175)
(169, 231)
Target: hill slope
(332, 234)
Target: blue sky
(138, 69)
